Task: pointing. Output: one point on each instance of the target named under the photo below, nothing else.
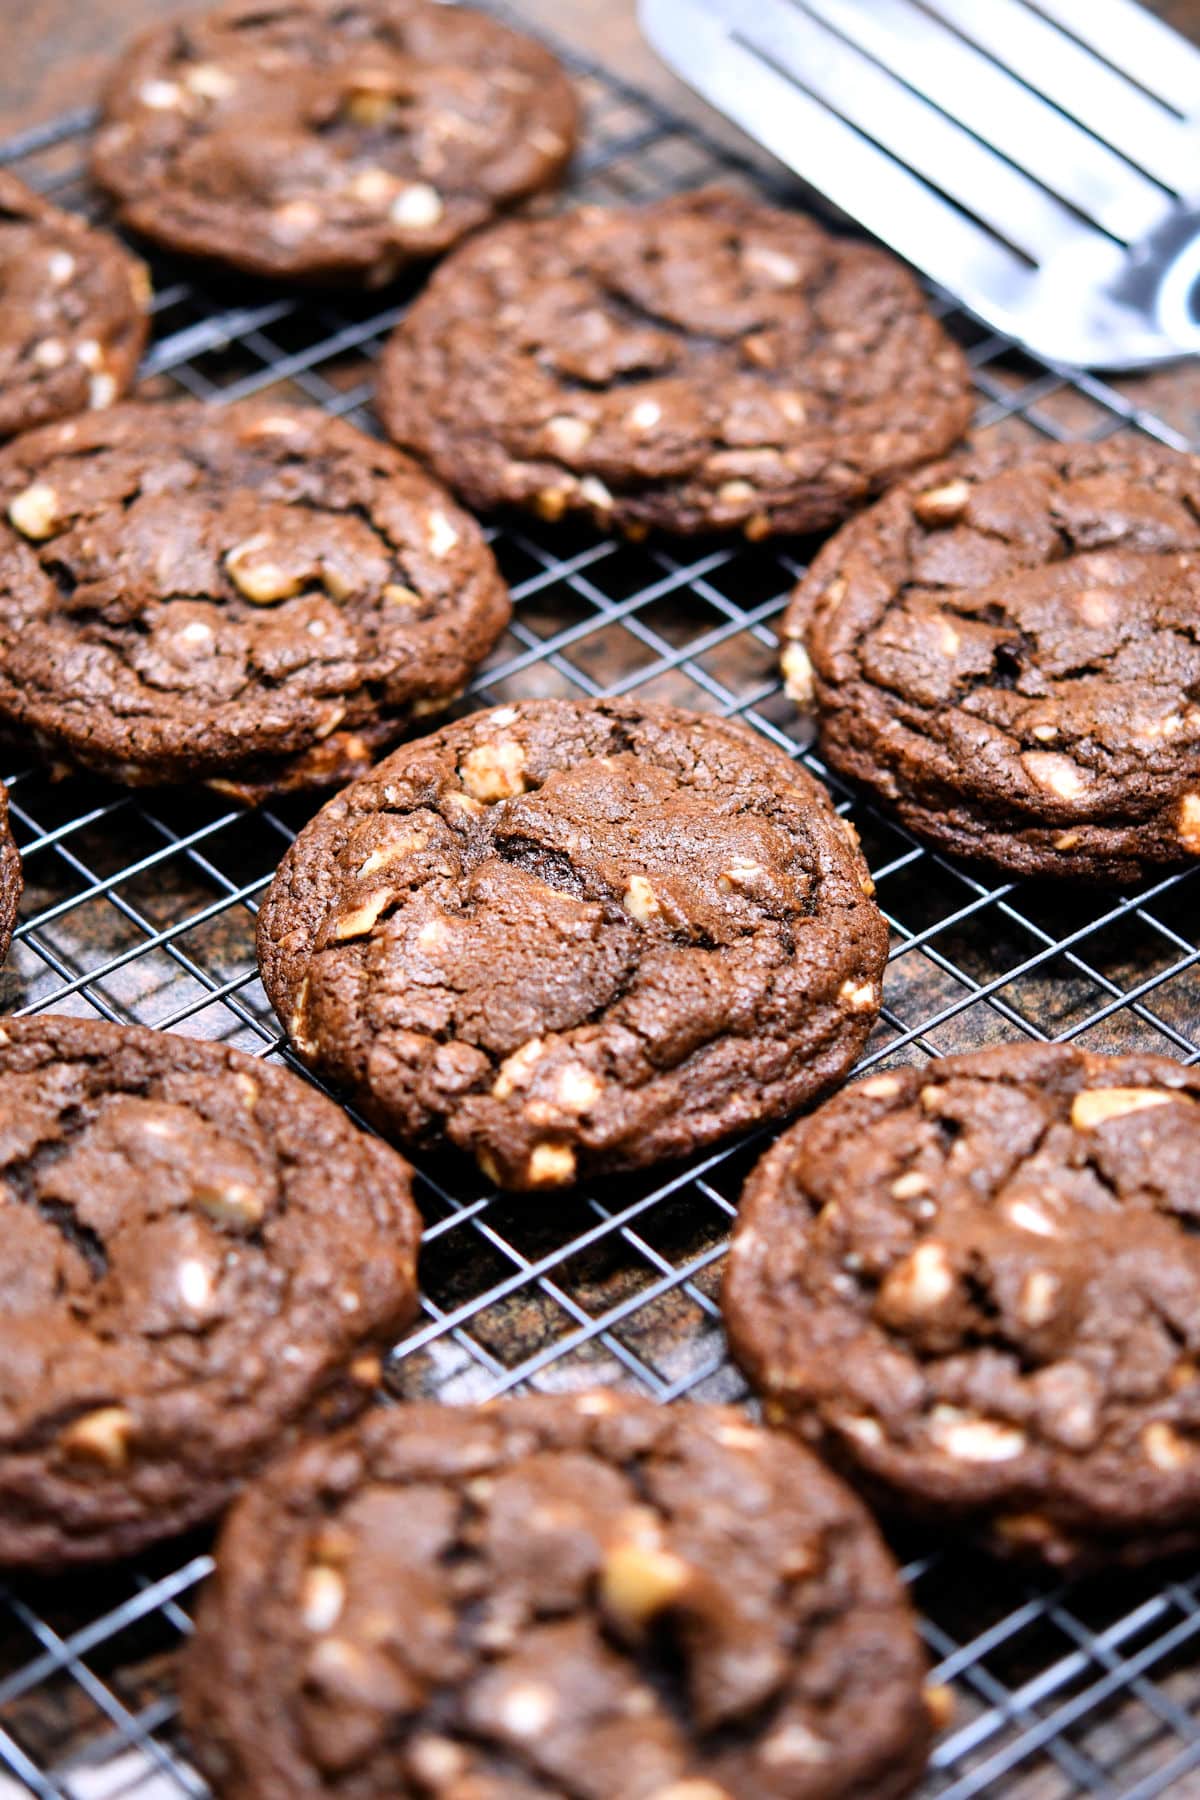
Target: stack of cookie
(568, 938)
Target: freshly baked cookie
(73, 312)
(576, 936)
(11, 881)
(197, 1251)
(1007, 649)
(258, 596)
(705, 363)
(977, 1286)
(583, 1596)
(326, 141)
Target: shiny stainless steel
(1038, 159)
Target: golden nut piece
(638, 1583)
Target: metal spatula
(1036, 158)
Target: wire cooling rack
(141, 907)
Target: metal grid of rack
(141, 908)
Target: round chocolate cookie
(11, 880)
(73, 312)
(197, 1254)
(1007, 649)
(705, 363)
(576, 936)
(329, 140)
(555, 1598)
(976, 1285)
(259, 596)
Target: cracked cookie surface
(199, 1253)
(11, 877)
(576, 936)
(329, 141)
(977, 1286)
(259, 596)
(73, 312)
(1007, 649)
(555, 1598)
(705, 363)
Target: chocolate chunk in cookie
(583, 1596)
(11, 880)
(73, 312)
(196, 1251)
(257, 596)
(323, 141)
(576, 936)
(977, 1286)
(705, 363)
(1007, 650)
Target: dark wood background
(54, 54)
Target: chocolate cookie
(326, 141)
(977, 1285)
(11, 881)
(259, 596)
(198, 1251)
(73, 312)
(583, 1596)
(1007, 649)
(576, 936)
(705, 363)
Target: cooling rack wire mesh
(141, 908)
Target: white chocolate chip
(100, 1437)
(881, 1087)
(920, 1283)
(372, 186)
(230, 1203)
(969, 1438)
(691, 1790)
(771, 265)
(1038, 1298)
(396, 851)
(432, 935)
(595, 1405)
(742, 874)
(797, 674)
(907, 1187)
(551, 1165)
(209, 81)
(294, 220)
(644, 416)
(639, 900)
(396, 594)
(436, 1761)
(34, 511)
(262, 582)
(1057, 774)
(195, 1284)
(1165, 1447)
(196, 632)
(516, 1071)
(860, 997)
(365, 917)
(51, 353)
(639, 1582)
(595, 494)
(1095, 1106)
(1028, 1217)
(795, 1743)
(1096, 606)
(322, 1599)
(861, 1427)
(89, 353)
(566, 435)
(942, 505)
(442, 536)
(102, 391)
(527, 1710)
(1045, 734)
(60, 267)
(949, 640)
(1189, 824)
(736, 493)
(576, 1088)
(160, 96)
(494, 771)
(418, 207)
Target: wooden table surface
(55, 52)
